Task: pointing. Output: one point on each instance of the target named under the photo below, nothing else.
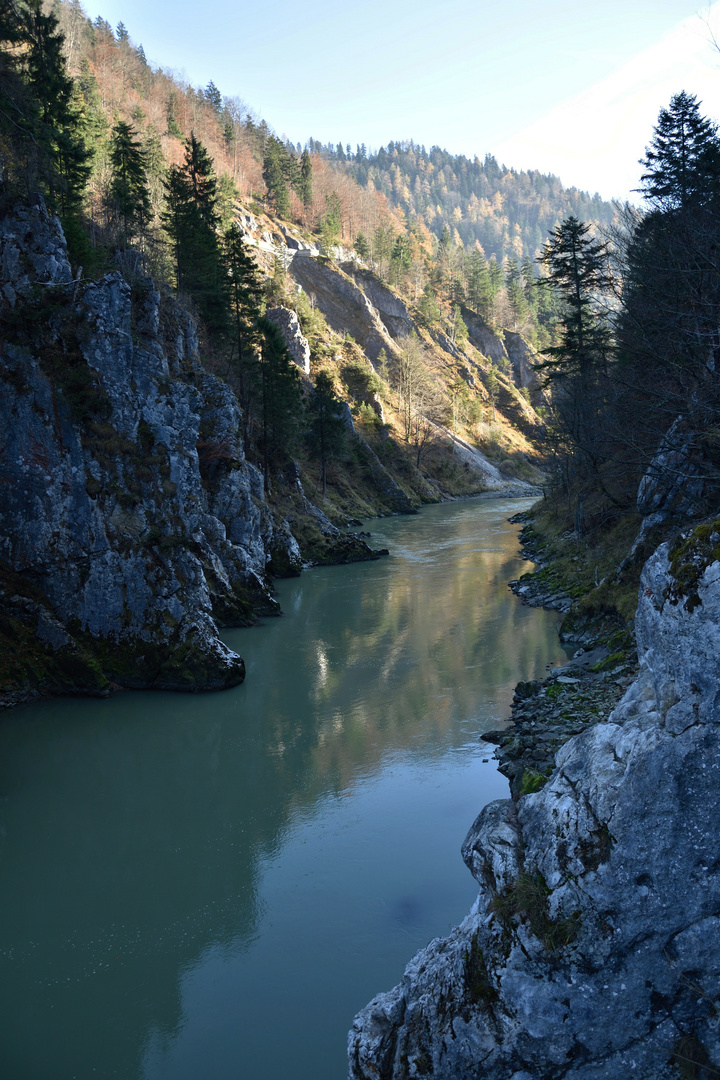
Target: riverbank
(592, 949)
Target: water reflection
(185, 876)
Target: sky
(558, 86)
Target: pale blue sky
(470, 77)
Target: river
(211, 886)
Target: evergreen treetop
(681, 162)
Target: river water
(211, 886)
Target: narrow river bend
(211, 886)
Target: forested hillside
(455, 356)
(504, 211)
(455, 230)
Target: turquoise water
(211, 886)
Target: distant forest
(441, 229)
(508, 213)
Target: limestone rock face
(673, 483)
(296, 342)
(593, 949)
(125, 496)
(346, 307)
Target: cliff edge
(593, 949)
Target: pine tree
(128, 196)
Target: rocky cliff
(593, 949)
(131, 523)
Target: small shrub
(526, 899)
(532, 781)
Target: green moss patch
(689, 559)
(526, 900)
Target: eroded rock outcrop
(593, 949)
(130, 520)
(289, 326)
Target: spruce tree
(327, 431)
(54, 124)
(191, 221)
(331, 224)
(128, 195)
(681, 162)
(279, 398)
(173, 127)
(668, 338)
(479, 284)
(275, 175)
(496, 282)
(305, 183)
(362, 246)
(213, 97)
(245, 298)
(577, 268)
(515, 293)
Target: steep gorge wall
(111, 534)
(131, 523)
(593, 949)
